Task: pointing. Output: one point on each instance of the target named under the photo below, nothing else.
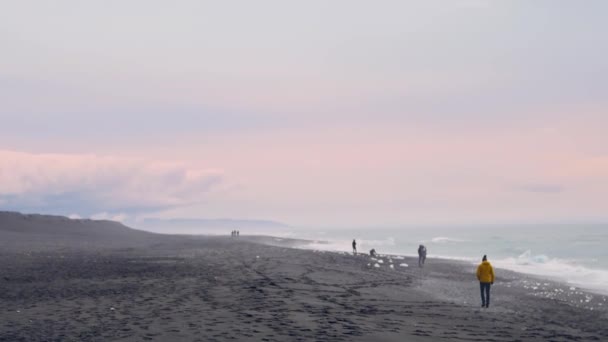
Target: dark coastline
(140, 286)
(217, 289)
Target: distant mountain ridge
(201, 226)
(217, 222)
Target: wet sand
(222, 289)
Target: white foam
(346, 245)
(390, 241)
(559, 269)
(333, 246)
(444, 239)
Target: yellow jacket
(485, 272)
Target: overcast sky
(315, 113)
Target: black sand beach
(178, 288)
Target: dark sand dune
(229, 289)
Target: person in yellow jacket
(485, 275)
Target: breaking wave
(559, 269)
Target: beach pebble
(391, 266)
(111, 309)
(257, 256)
(403, 265)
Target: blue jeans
(485, 294)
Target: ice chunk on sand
(376, 265)
(381, 261)
(403, 265)
(391, 266)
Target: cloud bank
(88, 184)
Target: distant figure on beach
(485, 275)
(232, 233)
(238, 232)
(421, 255)
(372, 253)
(354, 247)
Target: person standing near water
(485, 275)
(354, 247)
(421, 255)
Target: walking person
(354, 247)
(485, 275)
(421, 255)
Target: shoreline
(535, 280)
(221, 288)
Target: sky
(315, 113)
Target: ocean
(575, 254)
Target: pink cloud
(88, 184)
